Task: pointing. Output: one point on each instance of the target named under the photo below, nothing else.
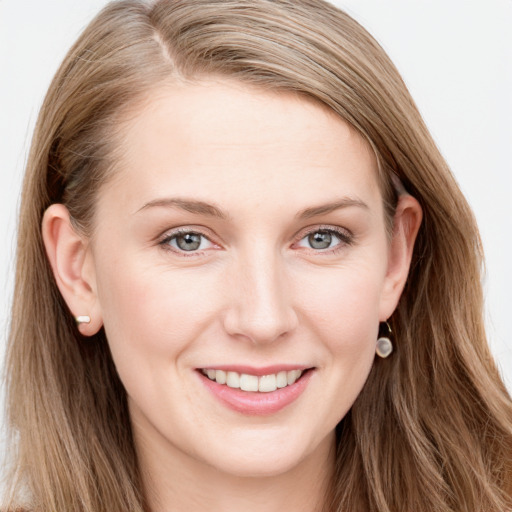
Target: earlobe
(70, 260)
(406, 224)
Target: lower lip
(257, 403)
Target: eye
(324, 239)
(187, 241)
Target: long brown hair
(432, 428)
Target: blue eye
(187, 241)
(323, 239)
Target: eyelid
(345, 235)
(163, 239)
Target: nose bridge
(261, 308)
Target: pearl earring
(82, 319)
(384, 345)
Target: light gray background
(455, 56)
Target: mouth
(254, 383)
(252, 391)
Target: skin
(255, 293)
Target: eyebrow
(203, 208)
(345, 202)
(189, 205)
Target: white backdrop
(455, 56)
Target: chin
(267, 456)
(259, 466)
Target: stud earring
(384, 345)
(82, 319)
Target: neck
(176, 482)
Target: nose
(260, 308)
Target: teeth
(281, 380)
(233, 380)
(267, 383)
(220, 376)
(246, 382)
(292, 376)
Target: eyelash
(168, 237)
(344, 236)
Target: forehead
(224, 137)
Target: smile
(247, 382)
(252, 391)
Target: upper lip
(258, 371)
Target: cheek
(342, 304)
(152, 310)
(340, 308)
(153, 318)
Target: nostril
(259, 328)
(260, 307)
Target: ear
(73, 267)
(406, 223)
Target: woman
(234, 248)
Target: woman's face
(243, 236)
